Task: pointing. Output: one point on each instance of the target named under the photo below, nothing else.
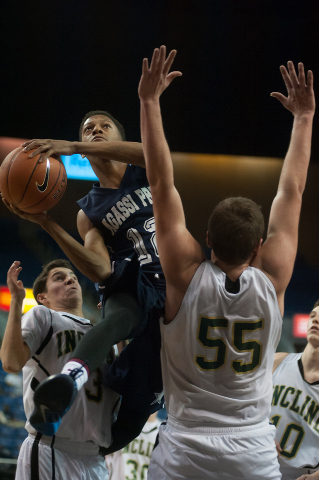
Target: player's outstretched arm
(125, 152)
(14, 352)
(278, 254)
(178, 250)
(92, 259)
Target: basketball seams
(18, 178)
(9, 167)
(26, 187)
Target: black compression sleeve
(122, 315)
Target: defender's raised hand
(15, 286)
(301, 100)
(156, 78)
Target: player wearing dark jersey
(117, 225)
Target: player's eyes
(87, 129)
(107, 125)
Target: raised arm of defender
(179, 252)
(278, 253)
(14, 351)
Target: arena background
(61, 59)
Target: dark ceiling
(61, 59)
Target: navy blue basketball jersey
(125, 218)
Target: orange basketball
(31, 186)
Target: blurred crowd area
(12, 421)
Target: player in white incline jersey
(132, 461)
(295, 406)
(222, 317)
(40, 344)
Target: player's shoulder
(279, 357)
(39, 310)
(40, 313)
(261, 275)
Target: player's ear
(41, 297)
(259, 244)
(257, 248)
(208, 241)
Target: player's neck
(110, 173)
(232, 271)
(76, 310)
(310, 363)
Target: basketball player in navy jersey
(117, 225)
(223, 317)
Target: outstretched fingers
(14, 270)
(293, 75)
(279, 97)
(154, 61)
(286, 78)
(310, 80)
(173, 75)
(161, 60)
(301, 75)
(169, 61)
(145, 66)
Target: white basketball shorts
(215, 453)
(67, 466)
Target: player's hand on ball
(301, 99)
(156, 78)
(48, 147)
(15, 286)
(39, 218)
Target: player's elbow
(11, 366)
(100, 274)
(293, 188)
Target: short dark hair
(316, 305)
(235, 229)
(40, 283)
(118, 125)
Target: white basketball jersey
(56, 334)
(132, 461)
(217, 354)
(295, 413)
